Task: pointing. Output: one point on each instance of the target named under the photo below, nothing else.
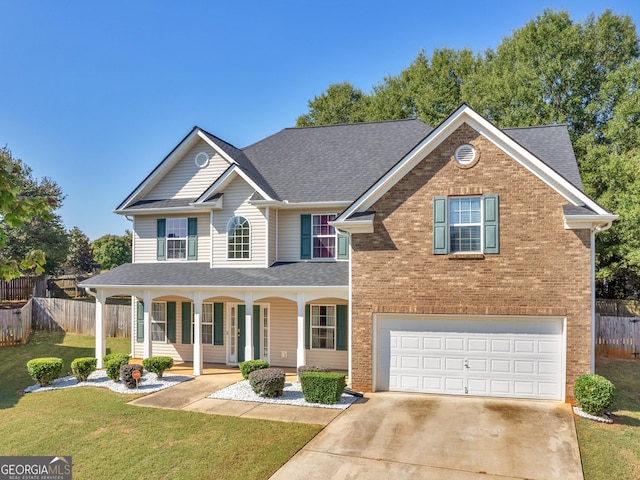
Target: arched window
(238, 238)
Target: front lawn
(108, 438)
(613, 451)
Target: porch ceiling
(186, 274)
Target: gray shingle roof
(552, 145)
(170, 203)
(333, 162)
(300, 274)
(572, 210)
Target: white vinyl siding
(236, 197)
(283, 331)
(145, 242)
(186, 179)
(273, 235)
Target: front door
(237, 333)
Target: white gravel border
(292, 395)
(596, 418)
(148, 383)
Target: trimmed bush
(44, 370)
(157, 365)
(322, 387)
(312, 368)
(251, 366)
(268, 382)
(82, 367)
(593, 393)
(112, 364)
(126, 374)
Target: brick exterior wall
(542, 269)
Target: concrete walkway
(191, 395)
(406, 436)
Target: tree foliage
(80, 256)
(111, 251)
(26, 207)
(552, 70)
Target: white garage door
(514, 357)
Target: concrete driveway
(397, 436)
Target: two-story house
(453, 260)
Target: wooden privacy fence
(617, 336)
(16, 289)
(15, 325)
(55, 314)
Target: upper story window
(238, 238)
(324, 236)
(466, 224)
(176, 238)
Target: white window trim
(227, 240)
(334, 327)
(154, 321)
(335, 237)
(203, 323)
(265, 342)
(481, 224)
(185, 238)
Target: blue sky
(95, 94)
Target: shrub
(267, 381)
(81, 368)
(311, 368)
(112, 364)
(593, 393)
(322, 387)
(126, 374)
(251, 366)
(157, 365)
(44, 370)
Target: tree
(342, 103)
(80, 256)
(21, 204)
(111, 251)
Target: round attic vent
(465, 154)
(202, 159)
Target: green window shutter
(218, 324)
(140, 322)
(491, 224)
(171, 322)
(186, 322)
(192, 239)
(342, 328)
(256, 332)
(343, 246)
(161, 228)
(305, 237)
(440, 226)
(307, 326)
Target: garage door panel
(526, 364)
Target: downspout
(595, 229)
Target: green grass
(108, 438)
(613, 451)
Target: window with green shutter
(466, 224)
(186, 322)
(171, 322)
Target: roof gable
(152, 188)
(502, 139)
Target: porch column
(248, 328)
(101, 346)
(197, 335)
(301, 357)
(147, 348)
